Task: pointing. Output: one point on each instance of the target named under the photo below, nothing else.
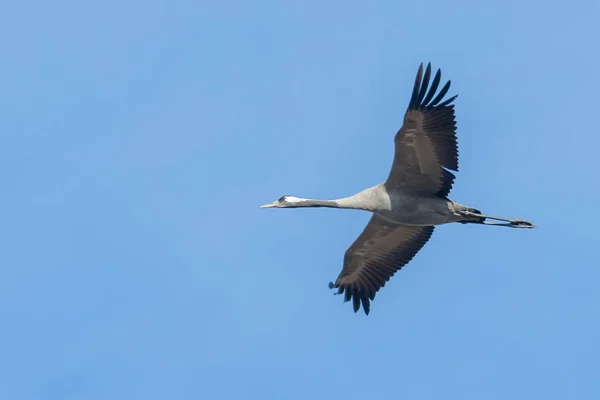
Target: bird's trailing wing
(426, 143)
(375, 256)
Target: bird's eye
(283, 198)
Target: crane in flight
(412, 201)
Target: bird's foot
(520, 223)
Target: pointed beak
(269, 205)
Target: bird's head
(285, 202)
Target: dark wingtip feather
(417, 85)
(366, 304)
(447, 102)
(424, 84)
(423, 93)
(441, 94)
(358, 298)
(434, 86)
(356, 303)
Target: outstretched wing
(375, 256)
(426, 142)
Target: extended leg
(511, 223)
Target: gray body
(405, 208)
(411, 202)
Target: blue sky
(138, 139)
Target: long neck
(316, 203)
(367, 199)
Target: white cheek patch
(292, 199)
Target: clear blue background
(138, 139)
